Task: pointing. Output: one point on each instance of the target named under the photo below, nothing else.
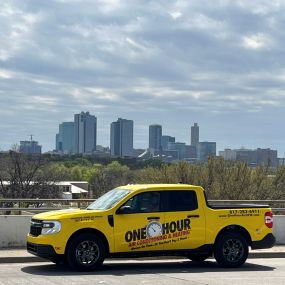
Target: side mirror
(125, 210)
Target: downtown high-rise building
(194, 140)
(195, 135)
(30, 147)
(121, 137)
(85, 133)
(65, 137)
(179, 147)
(155, 134)
(206, 149)
(165, 140)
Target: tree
(103, 178)
(28, 176)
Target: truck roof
(135, 187)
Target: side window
(181, 200)
(147, 202)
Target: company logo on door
(155, 233)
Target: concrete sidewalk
(22, 256)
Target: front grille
(36, 227)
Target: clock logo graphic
(154, 229)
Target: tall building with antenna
(30, 147)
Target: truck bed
(235, 206)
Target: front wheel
(231, 250)
(86, 252)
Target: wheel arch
(89, 231)
(235, 229)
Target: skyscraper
(65, 137)
(155, 133)
(195, 135)
(85, 133)
(121, 138)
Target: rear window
(181, 200)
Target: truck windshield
(109, 199)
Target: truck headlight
(50, 227)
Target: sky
(218, 63)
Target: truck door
(138, 223)
(184, 221)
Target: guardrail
(31, 206)
(26, 206)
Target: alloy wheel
(87, 252)
(233, 250)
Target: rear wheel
(86, 252)
(231, 250)
(198, 257)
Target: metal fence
(32, 206)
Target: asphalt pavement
(22, 256)
(262, 271)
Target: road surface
(136, 272)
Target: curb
(266, 255)
(30, 259)
(21, 259)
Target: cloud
(258, 41)
(171, 62)
(5, 74)
(175, 14)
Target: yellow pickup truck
(151, 220)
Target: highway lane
(136, 272)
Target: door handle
(153, 218)
(193, 216)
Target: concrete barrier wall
(13, 230)
(279, 229)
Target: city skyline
(220, 64)
(194, 126)
(83, 132)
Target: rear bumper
(44, 251)
(267, 242)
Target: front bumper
(267, 242)
(44, 251)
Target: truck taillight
(268, 219)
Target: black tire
(86, 252)
(231, 250)
(198, 257)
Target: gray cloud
(171, 62)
